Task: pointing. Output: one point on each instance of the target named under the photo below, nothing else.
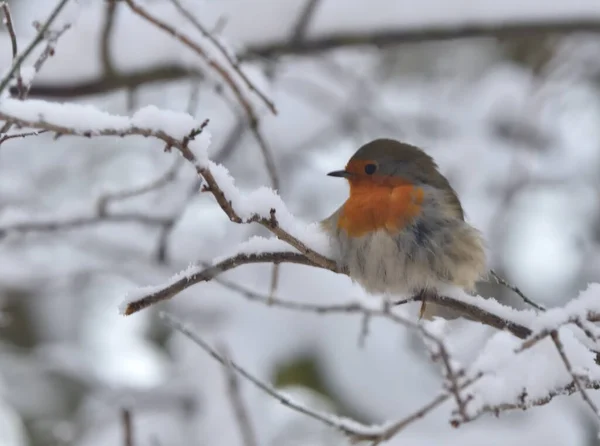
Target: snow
(172, 123)
(447, 97)
(140, 292)
(257, 245)
(79, 117)
(27, 74)
(85, 119)
(260, 202)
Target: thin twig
(231, 142)
(580, 387)
(6, 137)
(275, 271)
(167, 229)
(303, 21)
(24, 89)
(204, 275)
(239, 408)
(48, 52)
(167, 177)
(13, 41)
(253, 120)
(269, 222)
(81, 221)
(517, 291)
(364, 330)
(11, 29)
(231, 59)
(523, 403)
(127, 427)
(103, 84)
(339, 423)
(352, 429)
(35, 42)
(381, 37)
(105, 44)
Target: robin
(402, 231)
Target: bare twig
(6, 137)
(11, 29)
(517, 291)
(230, 58)
(48, 52)
(269, 222)
(576, 379)
(127, 427)
(104, 84)
(303, 21)
(346, 426)
(239, 408)
(167, 229)
(204, 275)
(169, 176)
(364, 330)
(274, 280)
(209, 273)
(35, 42)
(524, 403)
(378, 434)
(13, 41)
(107, 29)
(253, 120)
(452, 378)
(352, 429)
(81, 221)
(22, 89)
(231, 142)
(377, 37)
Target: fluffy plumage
(402, 230)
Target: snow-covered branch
(533, 355)
(224, 74)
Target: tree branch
(106, 84)
(18, 61)
(229, 57)
(142, 300)
(107, 29)
(310, 46)
(253, 120)
(346, 426)
(239, 408)
(387, 37)
(13, 42)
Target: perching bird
(402, 230)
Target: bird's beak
(340, 173)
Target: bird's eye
(370, 169)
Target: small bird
(402, 231)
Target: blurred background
(504, 95)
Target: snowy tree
(163, 277)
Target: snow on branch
(41, 35)
(511, 371)
(224, 74)
(508, 374)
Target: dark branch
(381, 38)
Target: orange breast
(372, 207)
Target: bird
(402, 231)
